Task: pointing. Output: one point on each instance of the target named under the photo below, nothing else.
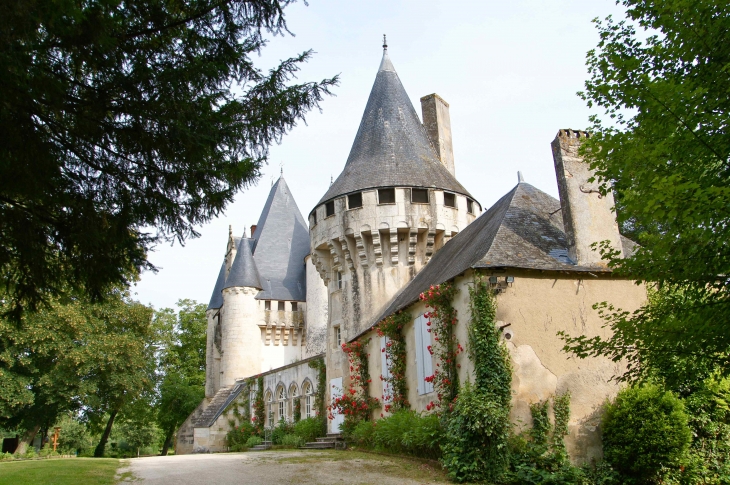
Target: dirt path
(282, 467)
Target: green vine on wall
(395, 350)
(297, 403)
(445, 346)
(320, 404)
(259, 409)
(478, 429)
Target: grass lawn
(60, 471)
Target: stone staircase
(211, 412)
(263, 446)
(331, 441)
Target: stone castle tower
(395, 203)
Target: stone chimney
(587, 215)
(253, 230)
(435, 112)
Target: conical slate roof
(281, 242)
(392, 147)
(243, 271)
(216, 299)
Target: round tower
(395, 203)
(240, 335)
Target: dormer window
(470, 206)
(386, 196)
(281, 306)
(449, 199)
(419, 196)
(329, 208)
(354, 201)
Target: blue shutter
(385, 371)
(427, 359)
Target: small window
(470, 206)
(281, 306)
(386, 196)
(354, 201)
(419, 196)
(267, 305)
(338, 279)
(293, 306)
(314, 218)
(449, 199)
(329, 208)
(338, 336)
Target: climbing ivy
(320, 404)
(259, 417)
(477, 431)
(297, 403)
(395, 350)
(441, 323)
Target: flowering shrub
(355, 403)
(239, 435)
(442, 320)
(319, 393)
(395, 349)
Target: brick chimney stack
(587, 215)
(253, 230)
(436, 119)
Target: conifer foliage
(122, 115)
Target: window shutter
(385, 371)
(427, 359)
(418, 327)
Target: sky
(510, 72)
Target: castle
(395, 222)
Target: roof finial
(244, 232)
(520, 178)
(385, 43)
(331, 180)
(230, 230)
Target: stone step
(263, 446)
(319, 445)
(329, 439)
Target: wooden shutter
(424, 362)
(385, 371)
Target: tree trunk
(99, 451)
(168, 440)
(27, 440)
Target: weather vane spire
(385, 43)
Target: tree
(182, 365)
(118, 116)
(72, 355)
(665, 151)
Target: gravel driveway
(282, 467)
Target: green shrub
(6, 456)
(308, 429)
(239, 435)
(424, 438)
(253, 441)
(389, 432)
(364, 434)
(281, 430)
(292, 441)
(47, 451)
(645, 433)
(475, 440)
(29, 453)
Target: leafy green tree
(74, 355)
(661, 77)
(73, 436)
(182, 365)
(122, 115)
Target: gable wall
(538, 305)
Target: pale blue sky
(509, 70)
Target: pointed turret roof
(281, 242)
(216, 299)
(243, 271)
(391, 147)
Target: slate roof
(391, 147)
(524, 229)
(216, 299)
(243, 270)
(280, 244)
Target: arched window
(282, 401)
(269, 404)
(307, 392)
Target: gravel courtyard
(281, 467)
